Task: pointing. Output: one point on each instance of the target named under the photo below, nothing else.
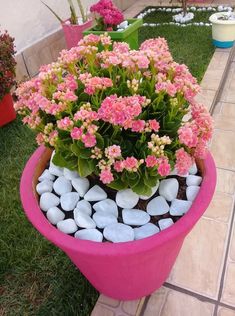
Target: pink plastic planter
(124, 271)
(73, 33)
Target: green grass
(191, 45)
(36, 278)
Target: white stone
(181, 18)
(127, 198)
(91, 234)
(179, 207)
(67, 226)
(83, 220)
(96, 193)
(193, 180)
(70, 175)
(123, 25)
(165, 223)
(55, 170)
(154, 190)
(55, 215)
(120, 30)
(62, 185)
(44, 186)
(119, 233)
(146, 230)
(135, 217)
(84, 206)
(107, 205)
(46, 175)
(48, 200)
(81, 185)
(193, 169)
(69, 201)
(220, 8)
(158, 206)
(104, 218)
(192, 192)
(169, 189)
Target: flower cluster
(7, 63)
(118, 114)
(109, 15)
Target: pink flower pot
(73, 32)
(124, 271)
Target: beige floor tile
(223, 149)
(228, 110)
(222, 311)
(225, 123)
(225, 181)
(232, 245)
(228, 295)
(228, 94)
(221, 207)
(167, 302)
(21, 71)
(108, 301)
(198, 266)
(100, 310)
(206, 97)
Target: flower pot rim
(181, 227)
(135, 24)
(75, 25)
(214, 19)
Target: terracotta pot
(73, 32)
(7, 112)
(124, 271)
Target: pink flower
(40, 139)
(164, 167)
(188, 136)
(106, 176)
(154, 125)
(151, 161)
(183, 161)
(89, 140)
(76, 133)
(201, 150)
(113, 151)
(118, 166)
(130, 163)
(65, 124)
(138, 126)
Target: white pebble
(67, 226)
(104, 218)
(193, 169)
(48, 200)
(127, 198)
(158, 206)
(89, 234)
(83, 220)
(84, 206)
(146, 230)
(81, 185)
(96, 193)
(44, 186)
(107, 205)
(192, 192)
(165, 223)
(135, 217)
(69, 200)
(169, 189)
(46, 175)
(119, 233)
(55, 215)
(179, 207)
(55, 170)
(62, 185)
(70, 175)
(193, 180)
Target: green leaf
(85, 167)
(99, 140)
(59, 160)
(117, 185)
(80, 151)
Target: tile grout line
(144, 306)
(225, 263)
(25, 65)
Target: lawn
(36, 278)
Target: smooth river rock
(69, 201)
(146, 230)
(46, 175)
(67, 226)
(192, 192)
(165, 223)
(169, 189)
(158, 206)
(107, 205)
(55, 170)
(193, 180)
(179, 207)
(135, 217)
(104, 218)
(127, 198)
(96, 193)
(89, 234)
(84, 206)
(48, 200)
(62, 185)
(55, 215)
(81, 185)
(83, 220)
(70, 175)
(44, 186)
(118, 233)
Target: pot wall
(7, 112)
(124, 271)
(223, 32)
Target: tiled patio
(202, 282)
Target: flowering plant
(109, 15)
(7, 64)
(116, 113)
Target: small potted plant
(223, 29)
(110, 19)
(74, 26)
(121, 190)
(7, 78)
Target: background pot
(7, 112)
(129, 35)
(124, 271)
(223, 31)
(73, 32)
